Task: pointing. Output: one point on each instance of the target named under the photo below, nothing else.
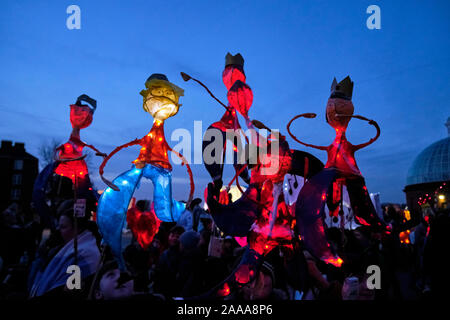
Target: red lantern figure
(69, 163)
(241, 94)
(143, 224)
(341, 165)
(69, 156)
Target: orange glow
(337, 262)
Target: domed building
(428, 177)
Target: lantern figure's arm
(371, 122)
(191, 178)
(97, 152)
(106, 159)
(236, 176)
(306, 115)
(187, 77)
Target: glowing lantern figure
(232, 74)
(261, 213)
(143, 224)
(69, 159)
(161, 101)
(341, 168)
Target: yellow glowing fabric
(161, 98)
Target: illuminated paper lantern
(143, 224)
(160, 99)
(69, 159)
(341, 166)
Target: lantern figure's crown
(343, 89)
(235, 60)
(86, 98)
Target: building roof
(432, 164)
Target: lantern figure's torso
(275, 165)
(229, 121)
(341, 155)
(155, 148)
(71, 150)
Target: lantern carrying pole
(75, 223)
(187, 77)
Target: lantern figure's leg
(310, 213)
(214, 169)
(362, 206)
(166, 208)
(112, 211)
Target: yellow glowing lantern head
(161, 97)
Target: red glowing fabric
(282, 161)
(262, 238)
(242, 275)
(154, 147)
(80, 116)
(240, 97)
(231, 74)
(71, 150)
(341, 155)
(224, 291)
(229, 120)
(143, 225)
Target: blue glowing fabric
(166, 208)
(309, 213)
(113, 205)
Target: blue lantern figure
(161, 101)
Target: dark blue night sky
(292, 51)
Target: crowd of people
(187, 259)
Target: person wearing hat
(161, 100)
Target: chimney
(6, 145)
(19, 147)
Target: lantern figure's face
(161, 102)
(231, 74)
(80, 116)
(240, 97)
(336, 107)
